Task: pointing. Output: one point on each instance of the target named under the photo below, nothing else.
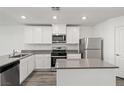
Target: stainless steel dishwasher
(10, 74)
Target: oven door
(53, 59)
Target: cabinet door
(23, 70)
(73, 35)
(38, 60)
(73, 56)
(28, 34)
(30, 64)
(37, 35)
(43, 61)
(59, 29)
(46, 61)
(47, 34)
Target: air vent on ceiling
(55, 8)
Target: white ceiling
(66, 15)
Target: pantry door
(119, 50)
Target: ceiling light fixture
(54, 17)
(84, 18)
(23, 17)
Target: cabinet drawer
(73, 56)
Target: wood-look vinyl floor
(47, 78)
(41, 78)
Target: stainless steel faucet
(14, 52)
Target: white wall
(11, 37)
(106, 30)
(86, 31)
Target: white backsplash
(49, 46)
(72, 47)
(38, 46)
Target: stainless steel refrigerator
(91, 48)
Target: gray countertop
(5, 60)
(37, 51)
(83, 64)
(48, 51)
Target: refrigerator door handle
(86, 42)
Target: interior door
(119, 50)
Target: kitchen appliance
(10, 74)
(57, 53)
(91, 48)
(58, 38)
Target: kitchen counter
(82, 64)
(37, 51)
(85, 72)
(48, 51)
(6, 60)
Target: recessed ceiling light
(23, 17)
(84, 18)
(54, 17)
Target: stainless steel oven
(58, 38)
(57, 54)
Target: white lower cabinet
(73, 56)
(43, 61)
(31, 64)
(23, 70)
(26, 67)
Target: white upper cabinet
(73, 34)
(47, 34)
(59, 28)
(38, 35)
(28, 34)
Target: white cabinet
(28, 35)
(23, 70)
(73, 34)
(73, 56)
(26, 67)
(59, 28)
(38, 35)
(47, 34)
(31, 64)
(43, 61)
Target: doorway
(119, 50)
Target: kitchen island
(85, 72)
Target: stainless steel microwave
(58, 38)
